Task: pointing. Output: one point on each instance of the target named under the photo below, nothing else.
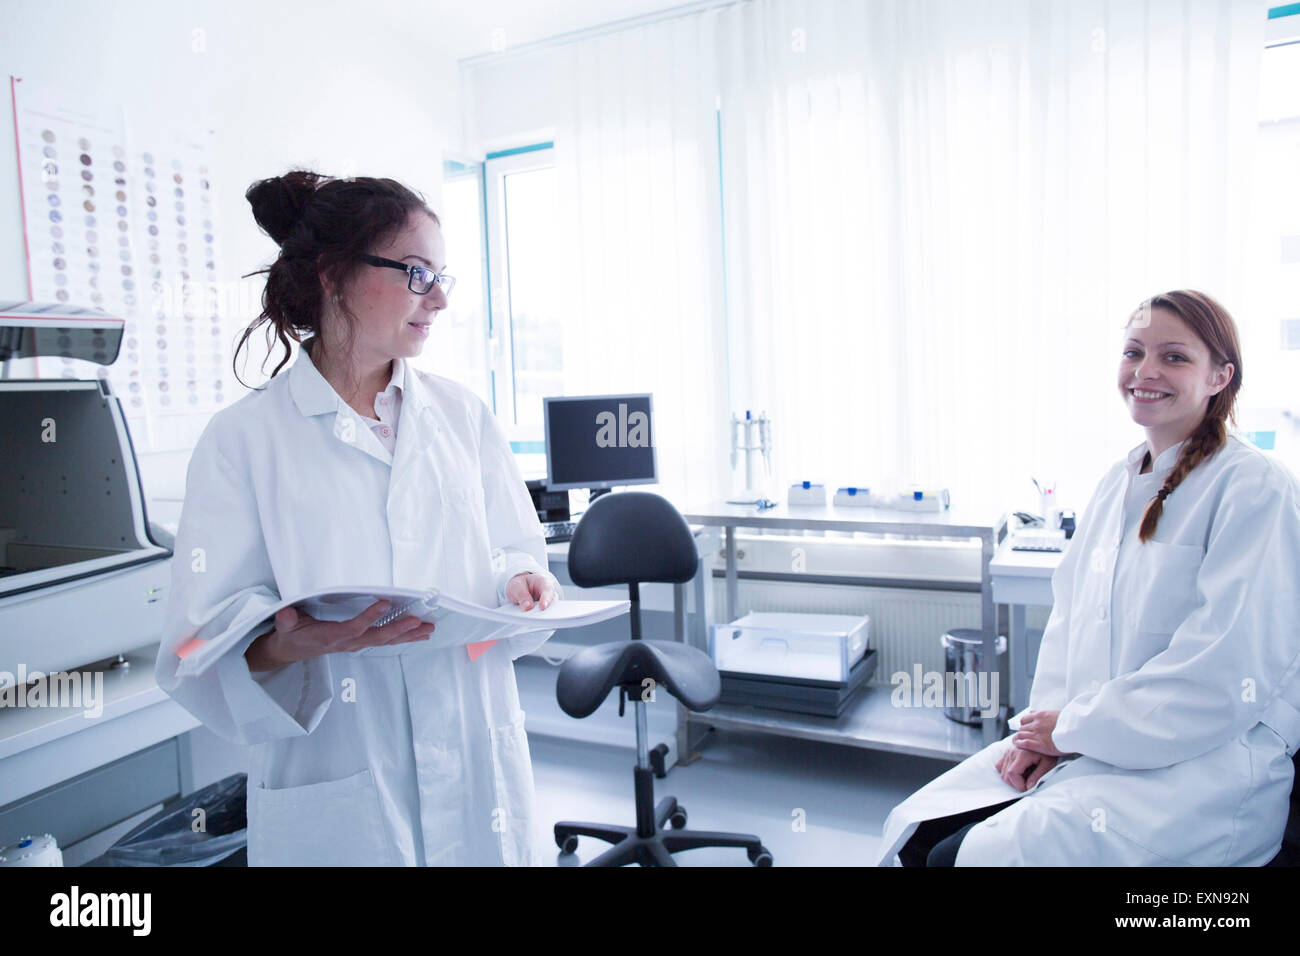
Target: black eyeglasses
(422, 280)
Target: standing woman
(354, 468)
(1166, 702)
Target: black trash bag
(169, 838)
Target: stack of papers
(458, 622)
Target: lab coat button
(992, 821)
(1101, 611)
(1094, 686)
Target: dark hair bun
(278, 203)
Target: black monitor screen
(599, 441)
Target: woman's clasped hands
(1031, 752)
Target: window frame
(459, 168)
(500, 328)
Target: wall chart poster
(122, 219)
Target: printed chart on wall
(123, 219)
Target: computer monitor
(599, 441)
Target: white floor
(743, 782)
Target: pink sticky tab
(189, 647)
(477, 650)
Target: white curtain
(636, 156)
(938, 216)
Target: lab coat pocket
(512, 778)
(334, 823)
(1165, 585)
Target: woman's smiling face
(1167, 374)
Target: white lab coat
(417, 758)
(1174, 667)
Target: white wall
(515, 100)
(328, 84)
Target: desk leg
(681, 632)
(693, 628)
(679, 613)
(732, 582)
(1018, 653)
(703, 584)
(989, 625)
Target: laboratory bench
(871, 721)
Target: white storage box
(855, 497)
(779, 644)
(806, 493)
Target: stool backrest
(631, 536)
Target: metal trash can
(963, 653)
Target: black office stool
(628, 538)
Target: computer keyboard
(558, 530)
(1049, 541)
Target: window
(457, 345)
(527, 286)
(1270, 324)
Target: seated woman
(1166, 702)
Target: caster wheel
(760, 857)
(678, 819)
(567, 844)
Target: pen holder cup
(1050, 512)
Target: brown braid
(1208, 438)
(1211, 321)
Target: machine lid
(48, 330)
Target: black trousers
(935, 842)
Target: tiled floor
(744, 782)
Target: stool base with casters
(648, 843)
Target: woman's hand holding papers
(526, 588)
(298, 636)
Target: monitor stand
(595, 493)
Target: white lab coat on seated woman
(414, 758)
(1174, 667)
